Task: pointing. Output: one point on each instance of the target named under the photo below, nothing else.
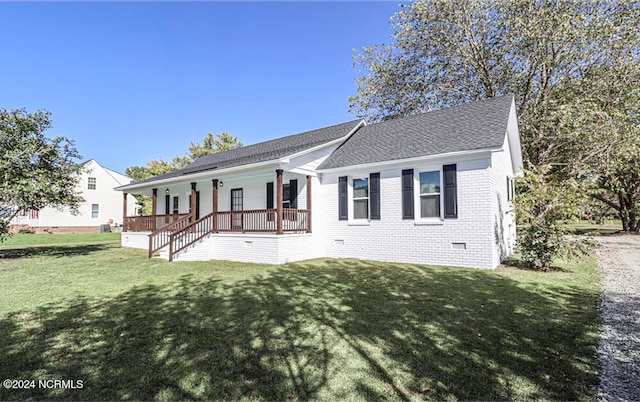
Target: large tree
(557, 57)
(35, 171)
(210, 145)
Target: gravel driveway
(619, 349)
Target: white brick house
(434, 188)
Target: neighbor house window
(430, 194)
(92, 183)
(361, 198)
(176, 204)
(95, 211)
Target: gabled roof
(472, 126)
(262, 152)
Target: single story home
(434, 188)
(101, 209)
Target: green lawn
(134, 328)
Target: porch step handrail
(190, 234)
(160, 238)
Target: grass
(55, 239)
(608, 227)
(134, 328)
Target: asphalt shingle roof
(261, 152)
(472, 126)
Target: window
(236, 199)
(365, 195)
(361, 198)
(286, 195)
(289, 194)
(91, 183)
(95, 211)
(236, 205)
(510, 189)
(176, 204)
(430, 194)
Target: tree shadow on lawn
(54, 250)
(329, 330)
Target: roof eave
(515, 146)
(417, 159)
(199, 175)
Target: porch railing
(160, 238)
(188, 235)
(262, 220)
(179, 231)
(149, 223)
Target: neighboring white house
(102, 205)
(434, 188)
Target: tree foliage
(35, 171)
(574, 67)
(541, 207)
(210, 145)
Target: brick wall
(465, 242)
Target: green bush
(539, 244)
(541, 205)
(26, 231)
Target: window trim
(175, 209)
(439, 194)
(97, 211)
(417, 195)
(354, 199)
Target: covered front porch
(259, 203)
(247, 221)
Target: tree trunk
(623, 212)
(634, 221)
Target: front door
(236, 205)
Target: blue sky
(132, 82)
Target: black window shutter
(167, 207)
(270, 195)
(407, 194)
(450, 191)
(374, 196)
(342, 198)
(293, 193)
